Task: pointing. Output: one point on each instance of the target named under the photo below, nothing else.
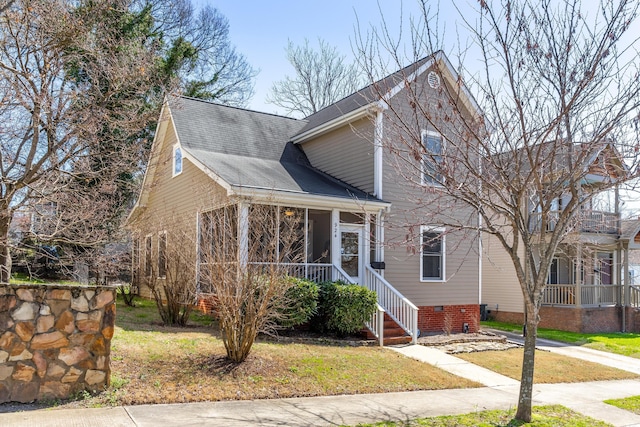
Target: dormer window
(177, 160)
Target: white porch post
(380, 238)
(367, 242)
(579, 270)
(625, 284)
(335, 239)
(243, 234)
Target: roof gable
(390, 86)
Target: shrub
(344, 307)
(301, 302)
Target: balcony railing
(586, 222)
(590, 295)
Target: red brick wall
(449, 319)
(633, 320)
(586, 320)
(507, 316)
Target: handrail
(396, 305)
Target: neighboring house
(359, 222)
(586, 290)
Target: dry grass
(550, 367)
(155, 364)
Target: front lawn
(631, 404)
(626, 344)
(156, 364)
(543, 416)
(550, 367)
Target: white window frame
(177, 149)
(166, 244)
(423, 136)
(443, 255)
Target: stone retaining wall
(55, 340)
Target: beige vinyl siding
(345, 153)
(414, 205)
(500, 288)
(174, 202)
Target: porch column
(243, 234)
(579, 273)
(380, 238)
(625, 288)
(367, 241)
(335, 239)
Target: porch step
(393, 333)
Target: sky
(260, 30)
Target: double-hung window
(432, 254)
(432, 158)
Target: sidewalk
(500, 393)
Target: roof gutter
(299, 199)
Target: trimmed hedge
(301, 301)
(344, 307)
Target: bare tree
(556, 119)
(81, 85)
(246, 274)
(322, 78)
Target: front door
(351, 251)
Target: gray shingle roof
(252, 149)
(362, 97)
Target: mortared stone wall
(55, 340)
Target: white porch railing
(399, 308)
(559, 295)
(590, 295)
(585, 221)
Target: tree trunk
(528, 364)
(5, 255)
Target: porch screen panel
(291, 239)
(263, 233)
(319, 237)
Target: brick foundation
(448, 318)
(585, 320)
(633, 320)
(506, 316)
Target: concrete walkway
(500, 393)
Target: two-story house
(588, 287)
(332, 170)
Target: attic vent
(433, 79)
